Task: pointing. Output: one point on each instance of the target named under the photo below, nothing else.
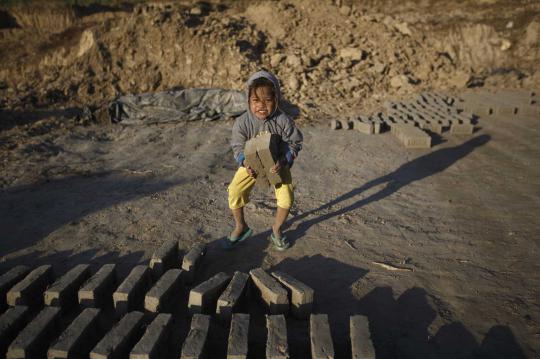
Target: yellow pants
(242, 184)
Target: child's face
(262, 102)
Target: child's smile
(262, 102)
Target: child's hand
(251, 171)
(277, 167)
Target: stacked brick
(503, 103)
(144, 304)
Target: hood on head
(269, 76)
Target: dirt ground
(459, 219)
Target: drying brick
(162, 294)
(276, 342)
(151, 345)
(301, 295)
(271, 292)
(130, 294)
(322, 346)
(164, 257)
(202, 298)
(361, 344)
(232, 296)
(97, 292)
(120, 339)
(238, 337)
(29, 291)
(192, 261)
(194, 345)
(63, 292)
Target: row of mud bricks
(413, 121)
(140, 311)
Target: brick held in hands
(194, 345)
(361, 344)
(130, 294)
(9, 279)
(165, 257)
(63, 292)
(238, 337)
(161, 297)
(29, 291)
(232, 296)
(271, 292)
(11, 323)
(191, 262)
(79, 338)
(202, 298)
(276, 342)
(153, 342)
(120, 339)
(97, 291)
(301, 295)
(33, 340)
(253, 161)
(322, 346)
(267, 150)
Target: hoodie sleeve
(238, 140)
(293, 139)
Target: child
(263, 115)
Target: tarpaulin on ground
(179, 105)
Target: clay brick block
(411, 137)
(267, 150)
(364, 127)
(97, 292)
(253, 161)
(63, 292)
(11, 323)
(461, 129)
(238, 337)
(130, 294)
(120, 339)
(152, 343)
(276, 342)
(301, 295)
(271, 292)
(8, 280)
(346, 124)
(192, 261)
(361, 344)
(29, 291)
(231, 298)
(529, 110)
(79, 338)
(322, 346)
(202, 298)
(193, 347)
(164, 257)
(164, 292)
(33, 340)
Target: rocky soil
(460, 219)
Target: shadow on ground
(415, 170)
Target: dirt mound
(329, 58)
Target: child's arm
(238, 141)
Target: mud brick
(238, 337)
(271, 292)
(301, 295)
(361, 344)
(267, 150)
(30, 290)
(376, 127)
(529, 110)
(33, 340)
(322, 346)
(276, 342)
(363, 127)
(461, 129)
(8, 280)
(63, 292)
(11, 323)
(161, 296)
(130, 294)
(120, 339)
(253, 161)
(193, 347)
(346, 124)
(411, 137)
(232, 296)
(192, 261)
(151, 344)
(79, 338)
(164, 258)
(335, 124)
(202, 298)
(97, 292)
(506, 110)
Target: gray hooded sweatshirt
(248, 126)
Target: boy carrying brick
(263, 115)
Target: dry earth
(462, 216)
